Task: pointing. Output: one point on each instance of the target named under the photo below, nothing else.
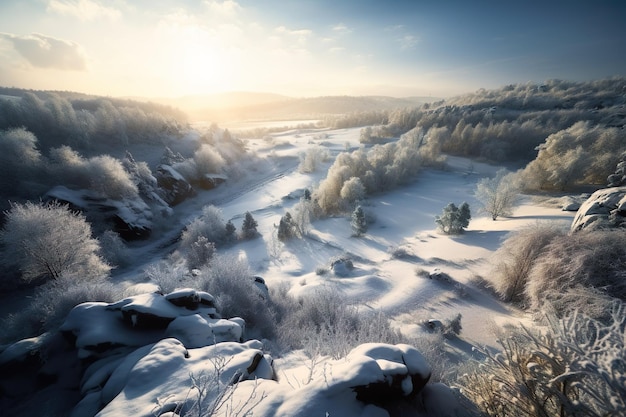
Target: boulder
(606, 208)
(176, 188)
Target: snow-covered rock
(136, 321)
(170, 377)
(176, 188)
(606, 208)
(374, 379)
(131, 217)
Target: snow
(156, 372)
(378, 281)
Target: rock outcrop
(131, 218)
(606, 208)
(174, 186)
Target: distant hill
(262, 106)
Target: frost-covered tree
(50, 241)
(497, 195)
(302, 214)
(358, 222)
(286, 228)
(19, 159)
(210, 224)
(454, 219)
(248, 228)
(230, 231)
(352, 190)
(200, 253)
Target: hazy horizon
(304, 48)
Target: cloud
(408, 41)
(83, 9)
(48, 52)
(341, 29)
(226, 7)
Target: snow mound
(189, 315)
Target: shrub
(210, 224)
(230, 281)
(323, 324)
(576, 367)
(169, 276)
(515, 258)
(312, 158)
(50, 241)
(454, 219)
(113, 249)
(582, 271)
(200, 253)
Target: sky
(304, 48)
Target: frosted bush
(580, 271)
(231, 282)
(310, 159)
(210, 224)
(516, 256)
(576, 367)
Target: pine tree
(454, 219)
(230, 231)
(358, 221)
(248, 228)
(286, 227)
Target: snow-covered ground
(392, 262)
(404, 219)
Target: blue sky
(306, 47)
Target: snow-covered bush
(50, 241)
(210, 224)
(516, 256)
(310, 159)
(200, 253)
(583, 270)
(19, 160)
(576, 367)
(103, 174)
(352, 191)
(169, 276)
(113, 249)
(323, 324)
(230, 281)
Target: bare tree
(497, 195)
(50, 241)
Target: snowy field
(394, 273)
(404, 219)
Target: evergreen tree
(286, 227)
(248, 228)
(230, 231)
(454, 219)
(358, 221)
